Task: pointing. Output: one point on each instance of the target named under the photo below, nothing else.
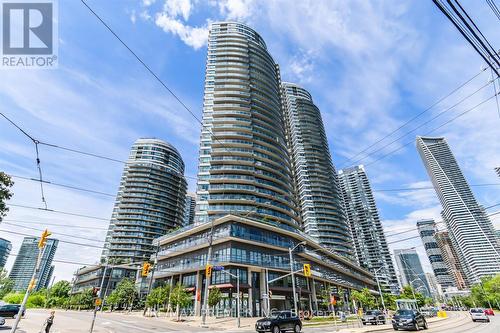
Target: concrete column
(314, 298)
(263, 303)
(250, 298)
(197, 304)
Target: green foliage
(83, 300)
(5, 193)
(158, 296)
(325, 297)
(125, 293)
(60, 289)
(408, 293)
(214, 296)
(35, 300)
(484, 294)
(6, 284)
(390, 300)
(13, 298)
(179, 296)
(365, 298)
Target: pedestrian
(49, 321)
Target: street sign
(98, 302)
(218, 268)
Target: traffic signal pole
(32, 284)
(100, 297)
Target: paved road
(79, 322)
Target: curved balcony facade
(149, 203)
(316, 180)
(244, 166)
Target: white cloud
(174, 8)
(238, 10)
(196, 37)
(147, 3)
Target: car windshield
(476, 310)
(404, 313)
(276, 315)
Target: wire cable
(417, 116)
(55, 224)
(58, 212)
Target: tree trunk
(178, 310)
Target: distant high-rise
(427, 230)
(5, 247)
(316, 182)
(189, 208)
(434, 286)
(450, 258)
(411, 270)
(498, 171)
(244, 166)
(470, 229)
(25, 263)
(150, 201)
(370, 244)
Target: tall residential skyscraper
(316, 180)
(244, 167)
(370, 245)
(25, 263)
(411, 271)
(471, 231)
(189, 209)
(150, 201)
(450, 258)
(434, 286)
(498, 171)
(5, 247)
(427, 231)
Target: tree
(214, 297)
(408, 293)
(5, 193)
(158, 296)
(125, 293)
(389, 301)
(179, 298)
(6, 284)
(60, 289)
(365, 298)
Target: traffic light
(146, 267)
(43, 239)
(95, 291)
(307, 270)
(31, 284)
(208, 270)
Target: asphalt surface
(79, 322)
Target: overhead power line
(416, 116)
(55, 224)
(60, 240)
(434, 129)
(54, 232)
(494, 8)
(37, 155)
(58, 212)
(424, 188)
(439, 222)
(423, 124)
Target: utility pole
(152, 275)
(41, 245)
(100, 297)
(238, 297)
(380, 290)
(293, 281)
(207, 278)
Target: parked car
(280, 321)
(489, 312)
(429, 312)
(408, 319)
(10, 310)
(479, 314)
(373, 317)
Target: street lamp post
(290, 250)
(379, 289)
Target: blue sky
(370, 66)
